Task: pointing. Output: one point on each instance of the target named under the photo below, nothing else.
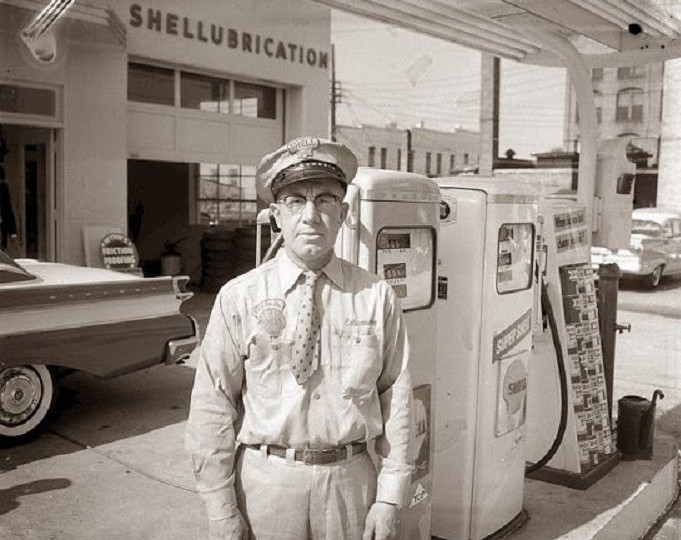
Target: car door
(675, 246)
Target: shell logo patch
(270, 317)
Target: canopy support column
(588, 126)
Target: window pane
(255, 101)
(676, 227)
(25, 100)
(229, 181)
(150, 84)
(208, 212)
(208, 169)
(227, 170)
(248, 188)
(204, 93)
(249, 212)
(228, 211)
(208, 188)
(637, 113)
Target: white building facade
(153, 115)
(628, 104)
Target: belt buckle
(319, 457)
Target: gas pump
(391, 230)
(485, 297)
(586, 451)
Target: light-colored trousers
(288, 500)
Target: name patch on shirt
(270, 317)
(357, 322)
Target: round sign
(118, 252)
(515, 386)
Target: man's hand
(381, 523)
(232, 528)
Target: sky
(392, 75)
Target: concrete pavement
(112, 463)
(110, 466)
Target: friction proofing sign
(508, 338)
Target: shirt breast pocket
(361, 364)
(268, 370)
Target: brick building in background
(420, 150)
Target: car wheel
(655, 278)
(27, 394)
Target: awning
(605, 32)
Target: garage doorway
(29, 177)
(158, 209)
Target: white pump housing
(614, 192)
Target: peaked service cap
(322, 158)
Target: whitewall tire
(26, 397)
(655, 278)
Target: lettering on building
(218, 35)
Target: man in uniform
(304, 362)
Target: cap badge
(303, 147)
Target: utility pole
(333, 92)
(336, 93)
(489, 113)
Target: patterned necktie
(304, 358)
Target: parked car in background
(55, 318)
(655, 248)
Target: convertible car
(55, 318)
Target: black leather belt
(316, 456)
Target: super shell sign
(118, 252)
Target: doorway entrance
(29, 175)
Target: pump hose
(530, 468)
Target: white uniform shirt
(245, 390)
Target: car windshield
(10, 271)
(647, 227)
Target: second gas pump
(469, 316)
(486, 251)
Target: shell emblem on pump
(515, 386)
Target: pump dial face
(405, 259)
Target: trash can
(636, 426)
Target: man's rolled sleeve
(210, 435)
(395, 391)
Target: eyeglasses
(325, 203)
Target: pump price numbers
(394, 241)
(395, 271)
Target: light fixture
(39, 37)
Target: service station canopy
(575, 34)
(605, 32)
